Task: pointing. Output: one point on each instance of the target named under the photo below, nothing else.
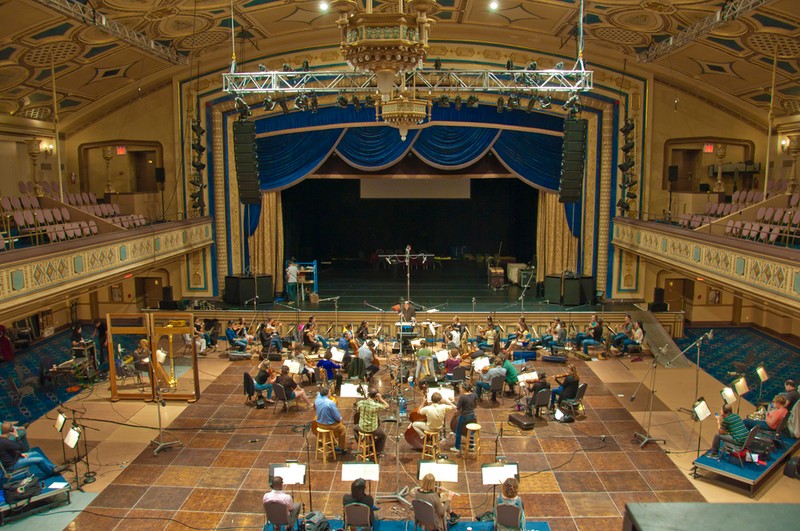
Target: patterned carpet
(573, 476)
(750, 346)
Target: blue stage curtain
(373, 148)
(453, 148)
(287, 158)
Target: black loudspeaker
(264, 289)
(167, 305)
(572, 292)
(588, 290)
(658, 307)
(161, 176)
(673, 174)
(552, 288)
(658, 295)
(166, 293)
(244, 148)
(240, 290)
(572, 160)
(232, 290)
(247, 290)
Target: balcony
(34, 277)
(769, 273)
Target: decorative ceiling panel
(735, 58)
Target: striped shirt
(732, 423)
(369, 408)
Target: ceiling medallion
(664, 7)
(403, 111)
(386, 44)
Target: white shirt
(291, 274)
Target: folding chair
(506, 517)
(357, 515)
(577, 402)
(281, 396)
(425, 516)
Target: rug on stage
(749, 472)
(736, 348)
(572, 476)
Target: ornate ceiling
(735, 60)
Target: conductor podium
(569, 290)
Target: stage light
(545, 102)
(301, 102)
(369, 101)
(631, 195)
(197, 183)
(572, 100)
(283, 105)
(356, 103)
(623, 205)
(513, 102)
(493, 5)
(627, 165)
(533, 65)
(198, 165)
(388, 260)
(627, 183)
(531, 104)
(268, 103)
(741, 386)
(628, 146)
(437, 64)
(198, 147)
(262, 68)
(323, 6)
(457, 100)
(628, 127)
(444, 101)
(728, 395)
(242, 107)
(314, 104)
(509, 65)
(559, 66)
(500, 104)
(341, 101)
(197, 128)
(305, 67)
(287, 67)
(472, 101)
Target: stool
(366, 447)
(325, 443)
(473, 440)
(430, 445)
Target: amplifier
(523, 422)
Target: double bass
(411, 435)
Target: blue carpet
(781, 360)
(57, 348)
(751, 472)
(406, 525)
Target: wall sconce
(785, 145)
(46, 148)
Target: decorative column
(720, 150)
(108, 154)
(34, 150)
(792, 148)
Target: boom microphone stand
(646, 437)
(160, 442)
(399, 494)
(698, 343)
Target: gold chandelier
(403, 111)
(386, 44)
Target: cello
(411, 435)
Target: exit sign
(708, 148)
(121, 150)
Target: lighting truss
(463, 81)
(91, 17)
(729, 11)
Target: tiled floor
(569, 476)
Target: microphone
(710, 335)
(633, 397)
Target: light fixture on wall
(791, 146)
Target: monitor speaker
(231, 290)
(264, 289)
(588, 290)
(572, 292)
(246, 156)
(166, 293)
(161, 176)
(552, 288)
(658, 295)
(573, 154)
(673, 174)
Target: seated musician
(290, 386)
(580, 336)
(637, 336)
(358, 495)
(534, 386)
(435, 410)
(277, 494)
(362, 334)
(440, 500)
(13, 456)
(330, 366)
(76, 338)
(775, 413)
(567, 385)
(487, 374)
(452, 333)
(368, 420)
(791, 393)
(306, 369)
(200, 329)
(329, 418)
(232, 333)
(453, 360)
(264, 379)
(521, 332)
(594, 337)
(367, 353)
(624, 331)
(487, 337)
(310, 338)
(730, 428)
(142, 361)
(556, 334)
(312, 322)
(509, 496)
(200, 345)
(511, 374)
(268, 337)
(242, 331)
(424, 366)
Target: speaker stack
(244, 148)
(573, 154)
(240, 289)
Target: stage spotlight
(356, 103)
(533, 65)
(628, 127)
(301, 102)
(269, 104)
(629, 145)
(623, 205)
(627, 165)
(509, 65)
(262, 68)
(196, 182)
(198, 165)
(444, 101)
(242, 107)
(628, 183)
(341, 101)
(545, 102)
(197, 129)
(369, 101)
(314, 104)
(388, 260)
(559, 66)
(457, 101)
(571, 101)
(305, 67)
(513, 102)
(284, 106)
(287, 67)
(500, 104)
(198, 148)
(531, 104)
(437, 64)
(472, 101)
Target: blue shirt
(327, 412)
(230, 333)
(329, 366)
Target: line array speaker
(161, 175)
(572, 160)
(244, 148)
(673, 174)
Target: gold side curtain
(556, 247)
(266, 244)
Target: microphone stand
(335, 310)
(399, 495)
(522, 297)
(648, 418)
(308, 465)
(698, 343)
(160, 443)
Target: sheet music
(442, 356)
(72, 437)
(497, 473)
(728, 395)
(291, 473)
(528, 376)
(60, 420)
(741, 386)
(443, 470)
(349, 390)
(701, 410)
(446, 392)
(354, 471)
(338, 355)
(480, 363)
(294, 366)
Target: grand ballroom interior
(163, 163)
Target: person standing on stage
(101, 337)
(368, 420)
(407, 313)
(291, 281)
(466, 413)
(329, 418)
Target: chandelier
(403, 112)
(386, 44)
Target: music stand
(443, 470)
(497, 473)
(648, 416)
(368, 471)
(72, 439)
(160, 442)
(61, 419)
(729, 396)
(761, 372)
(445, 392)
(701, 413)
(741, 386)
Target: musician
(637, 336)
(567, 385)
(452, 333)
(362, 333)
(368, 420)
(440, 501)
(76, 338)
(367, 353)
(277, 494)
(101, 337)
(511, 374)
(14, 458)
(624, 331)
(407, 313)
(556, 334)
(347, 337)
(243, 331)
(509, 496)
(775, 414)
(199, 343)
(330, 366)
(329, 418)
(423, 368)
(466, 412)
(232, 333)
(589, 331)
(291, 387)
(312, 322)
(142, 362)
(435, 411)
(487, 338)
(310, 338)
(200, 329)
(521, 332)
(306, 369)
(268, 337)
(594, 337)
(264, 380)
(453, 360)
(791, 393)
(358, 495)
(292, 272)
(485, 383)
(730, 429)
(534, 386)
